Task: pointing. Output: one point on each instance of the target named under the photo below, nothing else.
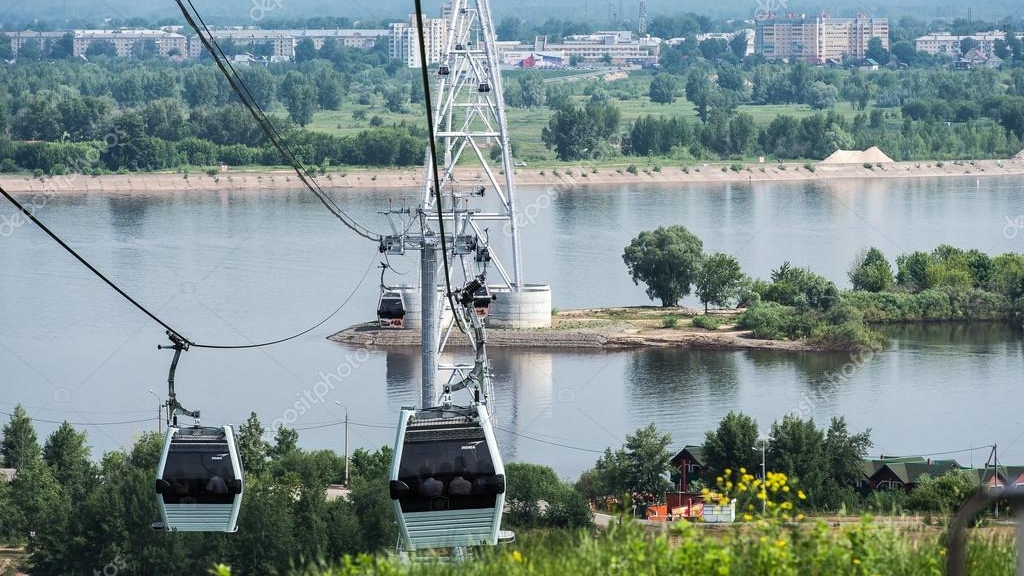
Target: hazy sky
(598, 11)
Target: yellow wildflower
(800, 494)
(517, 556)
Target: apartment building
(949, 44)
(817, 39)
(403, 41)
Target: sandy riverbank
(525, 176)
(593, 329)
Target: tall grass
(764, 547)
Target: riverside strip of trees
(60, 114)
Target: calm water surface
(240, 267)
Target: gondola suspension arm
(174, 408)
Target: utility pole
(346, 440)
(159, 413)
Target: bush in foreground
(757, 548)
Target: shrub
(767, 320)
(631, 169)
(707, 322)
(670, 321)
(736, 167)
(809, 167)
(869, 165)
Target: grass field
(525, 125)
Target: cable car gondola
(447, 478)
(199, 480)
(482, 299)
(391, 309)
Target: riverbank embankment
(559, 177)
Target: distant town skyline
(595, 11)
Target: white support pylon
(469, 114)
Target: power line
(28, 214)
(121, 423)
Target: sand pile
(872, 155)
(1019, 156)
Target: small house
(690, 463)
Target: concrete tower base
(528, 308)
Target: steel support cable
(28, 214)
(196, 22)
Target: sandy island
(525, 176)
(596, 329)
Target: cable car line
(122, 423)
(249, 101)
(28, 214)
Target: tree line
(76, 515)
(947, 283)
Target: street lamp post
(159, 413)
(764, 478)
(346, 441)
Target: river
(245, 266)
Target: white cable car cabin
(199, 481)
(447, 479)
(391, 309)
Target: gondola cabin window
(448, 475)
(199, 473)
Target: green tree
(66, 452)
(718, 280)
(30, 51)
(266, 531)
(531, 89)
(252, 448)
(286, 441)
(967, 44)
(370, 501)
(1007, 276)
(942, 494)
(738, 44)
(871, 271)
(667, 260)
(305, 51)
(734, 444)
(606, 478)
(20, 445)
(530, 486)
(663, 89)
(64, 48)
(647, 460)
(101, 48)
(876, 51)
(821, 96)
(846, 452)
(301, 103)
(797, 448)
